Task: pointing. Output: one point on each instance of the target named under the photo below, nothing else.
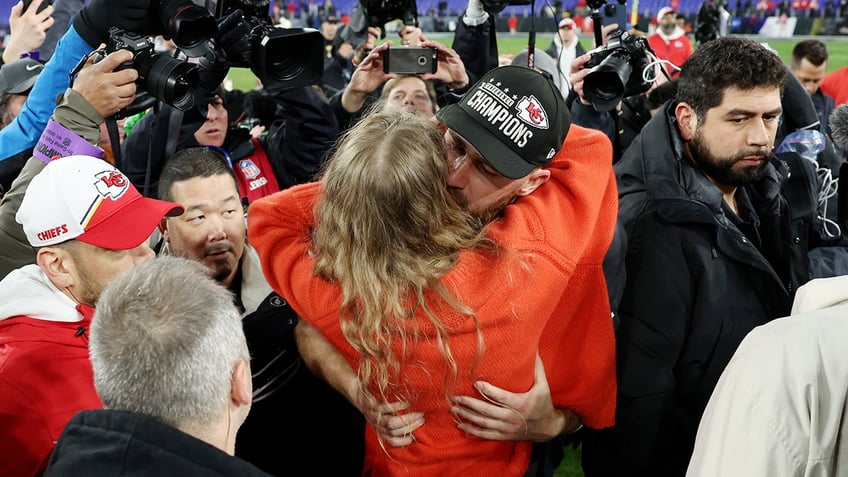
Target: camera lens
(287, 57)
(605, 84)
(190, 25)
(169, 79)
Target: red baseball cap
(88, 199)
(567, 23)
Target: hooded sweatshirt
(45, 374)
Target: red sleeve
(280, 228)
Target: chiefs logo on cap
(531, 112)
(111, 184)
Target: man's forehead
(201, 187)
(410, 83)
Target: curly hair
(728, 62)
(387, 229)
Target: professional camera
(188, 24)
(617, 70)
(165, 78)
(493, 7)
(376, 13)
(380, 12)
(280, 57)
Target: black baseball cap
(515, 117)
(18, 76)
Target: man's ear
(241, 389)
(536, 178)
(57, 264)
(687, 121)
(163, 229)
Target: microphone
(838, 121)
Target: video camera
(493, 7)
(161, 77)
(280, 57)
(380, 12)
(376, 13)
(617, 70)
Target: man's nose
(211, 113)
(215, 229)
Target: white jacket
(780, 406)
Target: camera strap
(115, 141)
(72, 75)
(175, 117)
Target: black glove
(92, 22)
(234, 38)
(231, 48)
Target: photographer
(369, 77)
(621, 123)
(303, 129)
(88, 31)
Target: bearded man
(711, 253)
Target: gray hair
(164, 342)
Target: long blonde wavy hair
(386, 230)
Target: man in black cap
(502, 138)
(16, 80)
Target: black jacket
(337, 74)
(621, 126)
(107, 443)
(295, 144)
(698, 280)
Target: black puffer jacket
(118, 443)
(696, 285)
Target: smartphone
(41, 7)
(410, 60)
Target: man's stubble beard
(485, 216)
(721, 169)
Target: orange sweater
(554, 300)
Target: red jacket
(835, 85)
(45, 378)
(558, 306)
(676, 48)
